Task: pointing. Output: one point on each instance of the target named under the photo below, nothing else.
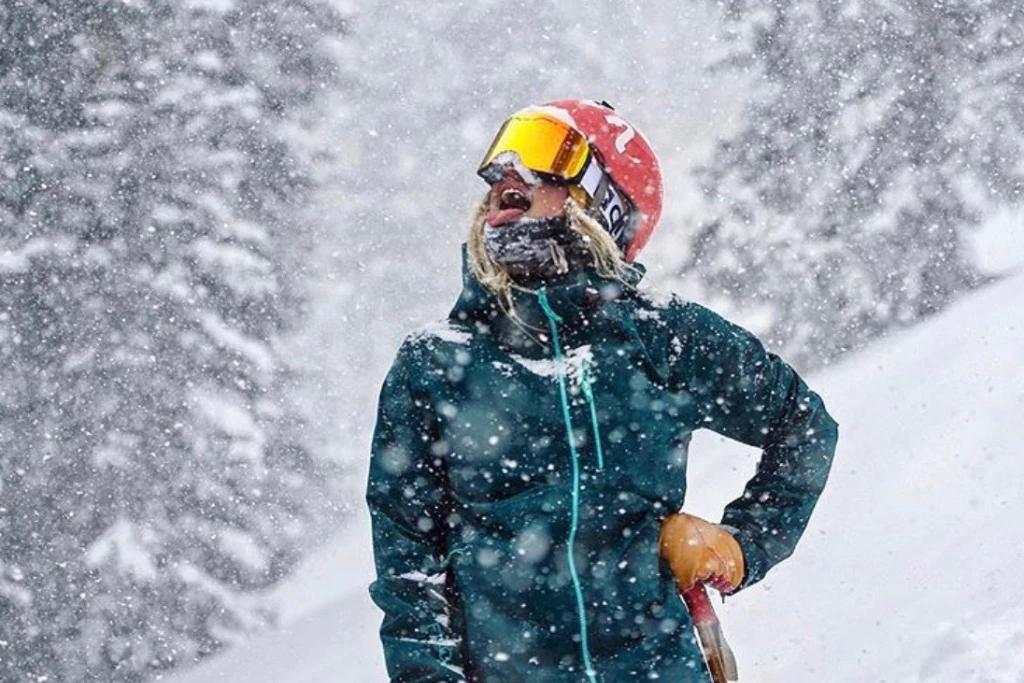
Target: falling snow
(220, 218)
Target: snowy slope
(910, 570)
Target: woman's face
(512, 198)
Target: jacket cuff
(755, 564)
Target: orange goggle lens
(543, 144)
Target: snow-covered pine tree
(153, 474)
(881, 132)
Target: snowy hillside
(909, 572)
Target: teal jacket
(521, 469)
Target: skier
(529, 460)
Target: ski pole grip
(699, 604)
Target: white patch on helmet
(623, 138)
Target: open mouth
(510, 199)
(514, 199)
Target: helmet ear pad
(626, 156)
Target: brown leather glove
(699, 551)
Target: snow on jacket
(506, 553)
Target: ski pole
(717, 652)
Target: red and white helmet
(607, 163)
(627, 157)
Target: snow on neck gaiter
(537, 249)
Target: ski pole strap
(717, 653)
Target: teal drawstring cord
(553, 318)
(589, 394)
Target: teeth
(512, 198)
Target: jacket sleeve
(747, 394)
(406, 495)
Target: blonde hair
(608, 260)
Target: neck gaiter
(537, 249)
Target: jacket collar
(575, 297)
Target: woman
(529, 460)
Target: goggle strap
(592, 179)
(605, 200)
(602, 190)
(617, 215)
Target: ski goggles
(533, 141)
(541, 143)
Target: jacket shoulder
(433, 345)
(662, 308)
(680, 314)
(682, 330)
(438, 333)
